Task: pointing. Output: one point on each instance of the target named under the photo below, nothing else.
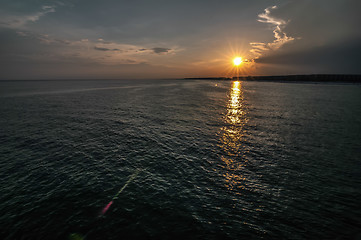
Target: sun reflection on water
(232, 138)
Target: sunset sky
(79, 39)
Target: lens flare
(106, 208)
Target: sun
(237, 61)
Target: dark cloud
(27, 7)
(14, 44)
(143, 20)
(160, 50)
(106, 49)
(341, 57)
(317, 22)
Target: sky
(131, 39)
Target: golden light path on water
(232, 137)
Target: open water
(216, 160)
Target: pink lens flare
(105, 209)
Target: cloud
(281, 38)
(45, 38)
(105, 49)
(18, 21)
(337, 58)
(159, 50)
(102, 41)
(49, 48)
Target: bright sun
(237, 61)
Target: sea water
(216, 160)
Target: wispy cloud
(281, 38)
(96, 51)
(18, 21)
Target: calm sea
(215, 160)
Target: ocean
(198, 159)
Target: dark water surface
(217, 160)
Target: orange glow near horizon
(236, 62)
(231, 60)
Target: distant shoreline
(348, 78)
(337, 78)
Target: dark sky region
(76, 39)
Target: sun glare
(237, 61)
